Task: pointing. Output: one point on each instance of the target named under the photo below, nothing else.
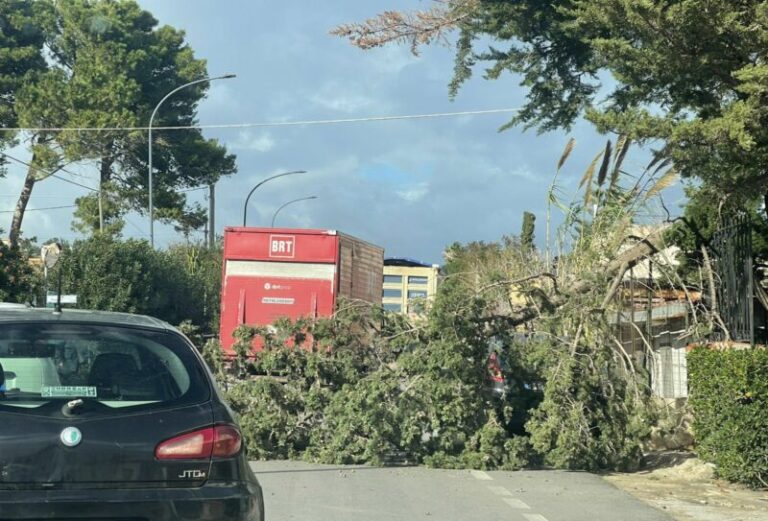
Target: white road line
(534, 517)
(479, 474)
(499, 491)
(516, 503)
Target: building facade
(408, 285)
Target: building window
(394, 293)
(417, 293)
(393, 279)
(393, 307)
(415, 279)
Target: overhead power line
(41, 209)
(265, 124)
(50, 174)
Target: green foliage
(703, 214)
(589, 418)
(22, 35)
(490, 448)
(729, 397)
(366, 386)
(19, 281)
(129, 276)
(526, 234)
(87, 220)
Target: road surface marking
(479, 474)
(534, 517)
(499, 491)
(516, 503)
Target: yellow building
(408, 285)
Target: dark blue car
(110, 416)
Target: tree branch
(414, 28)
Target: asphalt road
(301, 491)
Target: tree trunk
(21, 204)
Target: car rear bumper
(212, 502)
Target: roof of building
(21, 313)
(404, 261)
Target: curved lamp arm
(245, 206)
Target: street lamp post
(245, 206)
(290, 202)
(151, 119)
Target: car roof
(18, 313)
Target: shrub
(729, 397)
(18, 280)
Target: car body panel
(115, 450)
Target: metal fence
(733, 265)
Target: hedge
(728, 391)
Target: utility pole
(211, 215)
(101, 209)
(101, 214)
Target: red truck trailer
(269, 273)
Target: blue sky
(412, 187)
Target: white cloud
(349, 98)
(247, 140)
(347, 102)
(414, 193)
(220, 97)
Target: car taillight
(222, 441)
(226, 441)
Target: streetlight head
(228, 76)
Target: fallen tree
(367, 386)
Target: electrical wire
(41, 209)
(50, 174)
(142, 232)
(265, 124)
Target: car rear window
(115, 367)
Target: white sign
(282, 246)
(65, 299)
(68, 391)
(274, 300)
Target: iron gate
(732, 245)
